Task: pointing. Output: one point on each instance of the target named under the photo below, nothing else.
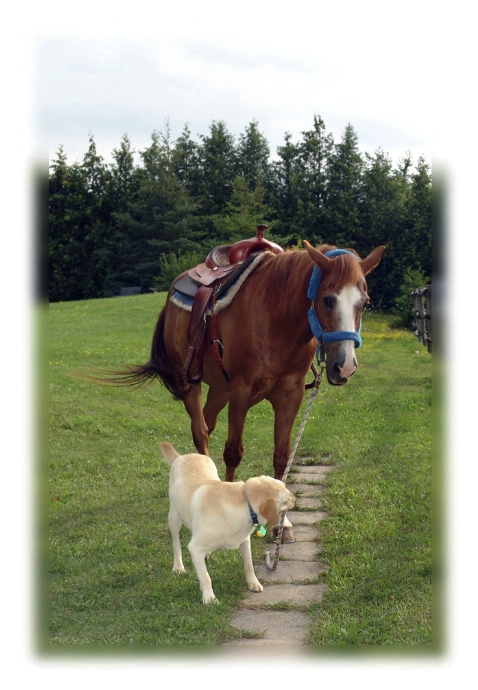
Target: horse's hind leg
(200, 432)
(234, 450)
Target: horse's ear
(372, 260)
(317, 257)
(269, 510)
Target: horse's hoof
(287, 535)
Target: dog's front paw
(179, 569)
(209, 598)
(256, 586)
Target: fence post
(422, 312)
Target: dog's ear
(269, 510)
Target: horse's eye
(329, 303)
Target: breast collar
(317, 330)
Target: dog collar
(261, 529)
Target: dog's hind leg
(175, 524)
(198, 556)
(252, 581)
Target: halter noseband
(317, 330)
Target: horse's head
(338, 306)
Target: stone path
(293, 585)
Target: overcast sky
(195, 65)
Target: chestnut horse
(268, 344)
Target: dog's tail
(169, 452)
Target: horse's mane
(289, 273)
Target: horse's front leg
(216, 401)
(286, 403)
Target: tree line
(140, 224)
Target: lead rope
(315, 390)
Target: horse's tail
(159, 367)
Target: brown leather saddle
(205, 282)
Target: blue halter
(319, 333)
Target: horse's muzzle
(338, 374)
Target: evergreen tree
(76, 217)
(285, 182)
(253, 155)
(417, 234)
(188, 171)
(344, 191)
(124, 177)
(244, 212)
(97, 208)
(410, 248)
(59, 229)
(158, 219)
(314, 152)
(382, 208)
(125, 181)
(219, 168)
(187, 165)
(41, 259)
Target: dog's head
(269, 497)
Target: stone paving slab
(305, 489)
(289, 571)
(309, 517)
(313, 459)
(262, 645)
(298, 596)
(319, 470)
(298, 551)
(273, 625)
(306, 503)
(306, 479)
(305, 532)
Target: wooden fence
(422, 313)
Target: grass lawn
(106, 580)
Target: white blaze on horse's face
(342, 312)
(350, 302)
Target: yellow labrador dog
(220, 515)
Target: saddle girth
(197, 332)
